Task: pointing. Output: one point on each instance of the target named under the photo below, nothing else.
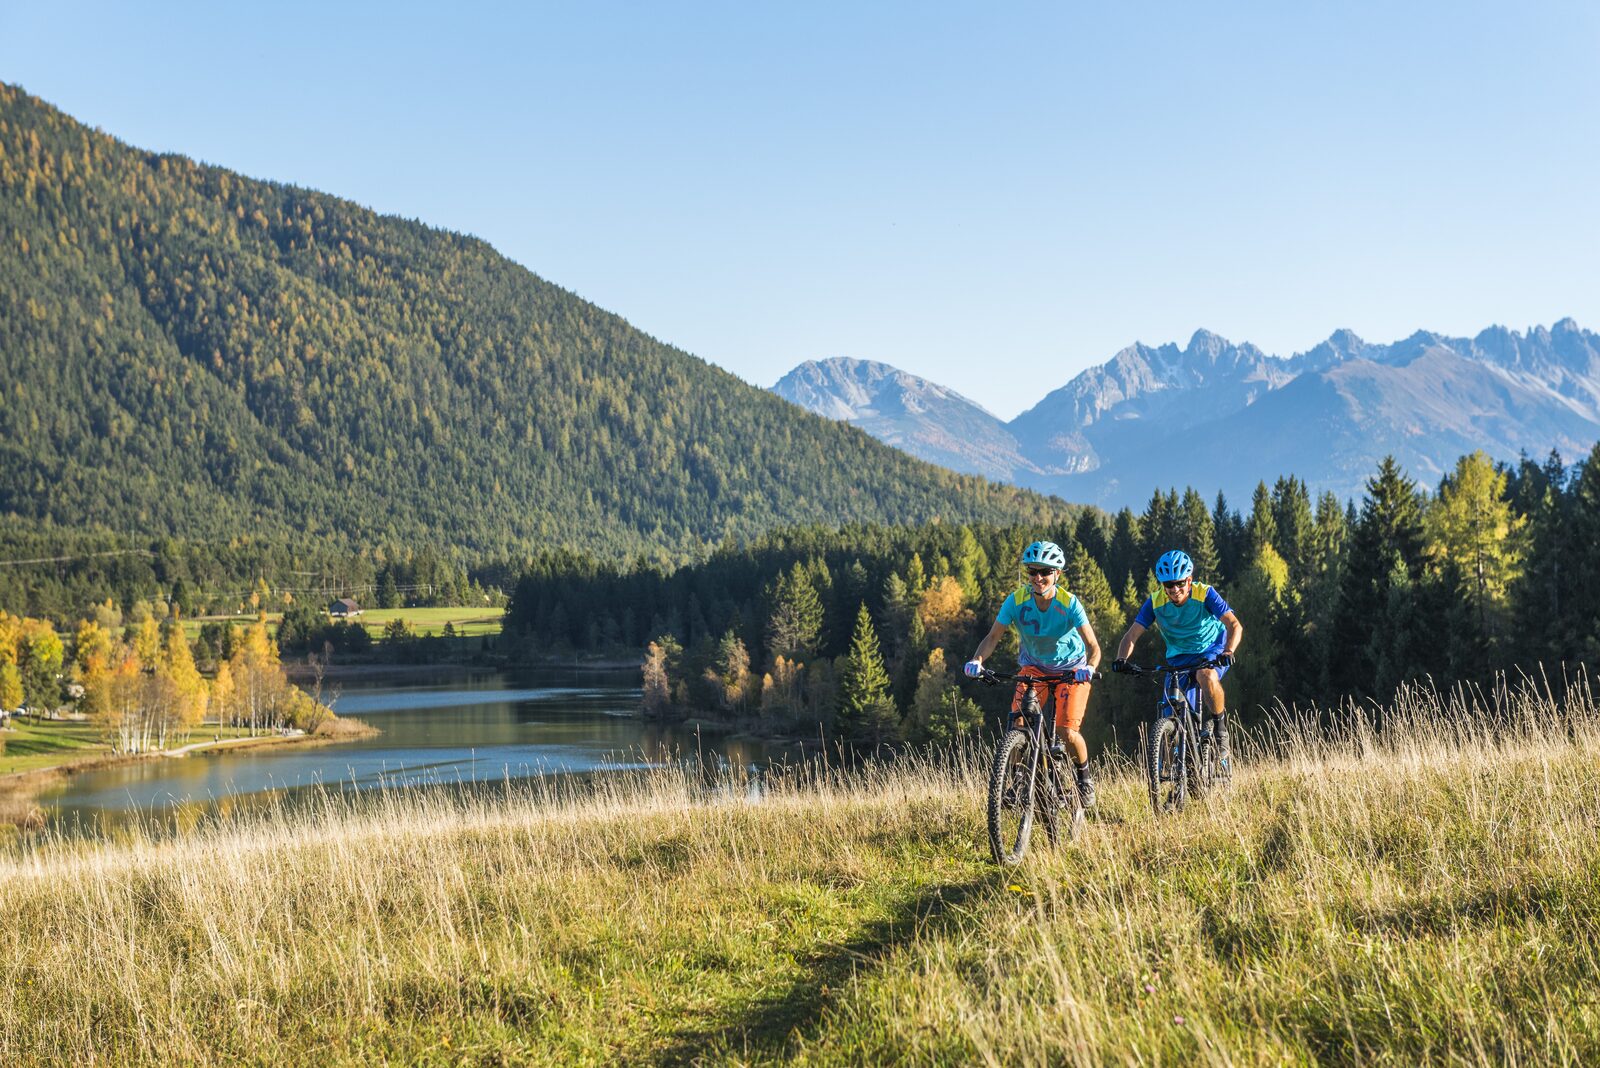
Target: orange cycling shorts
(1072, 698)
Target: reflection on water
(459, 727)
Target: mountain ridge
(1148, 415)
(192, 353)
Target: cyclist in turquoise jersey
(1199, 627)
(1055, 640)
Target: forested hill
(187, 352)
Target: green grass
(1430, 894)
(44, 743)
(468, 622)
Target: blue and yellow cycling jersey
(1049, 638)
(1193, 630)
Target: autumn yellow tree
(942, 610)
(1473, 534)
(188, 692)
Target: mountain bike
(1026, 781)
(1180, 760)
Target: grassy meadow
(1412, 887)
(468, 622)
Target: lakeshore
(23, 779)
(451, 726)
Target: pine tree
(866, 712)
(1084, 579)
(795, 626)
(1376, 617)
(1159, 527)
(1258, 598)
(1262, 528)
(898, 608)
(1584, 516)
(1094, 534)
(1540, 600)
(1199, 536)
(1127, 552)
(388, 592)
(1291, 514)
(916, 577)
(971, 563)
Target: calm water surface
(453, 726)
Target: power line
(79, 556)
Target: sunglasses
(1180, 584)
(1040, 572)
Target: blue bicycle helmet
(1174, 566)
(1044, 554)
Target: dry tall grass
(1416, 885)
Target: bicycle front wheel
(1011, 797)
(1162, 766)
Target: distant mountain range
(1219, 415)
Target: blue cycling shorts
(1190, 659)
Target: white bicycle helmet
(1044, 554)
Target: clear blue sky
(992, 200)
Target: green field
(468, 622)
(44, 743)
(1427, 894)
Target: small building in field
(344, 608)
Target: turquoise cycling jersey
(1049, 638)
(1193, 630)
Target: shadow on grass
(768, 1026)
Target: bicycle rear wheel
(1011, 797)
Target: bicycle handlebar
(1163, 669)
(992, 677)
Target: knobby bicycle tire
(1011, 821)
(1160, 766)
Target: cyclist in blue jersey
(1198, 627)
(1055, 640)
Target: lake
(452, 725)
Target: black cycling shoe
(1224, 755)
(1058, 751)
(1085, 788)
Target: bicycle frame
(1182, 702)
(1033, 723)
(1034, 789)
(1180, 692)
